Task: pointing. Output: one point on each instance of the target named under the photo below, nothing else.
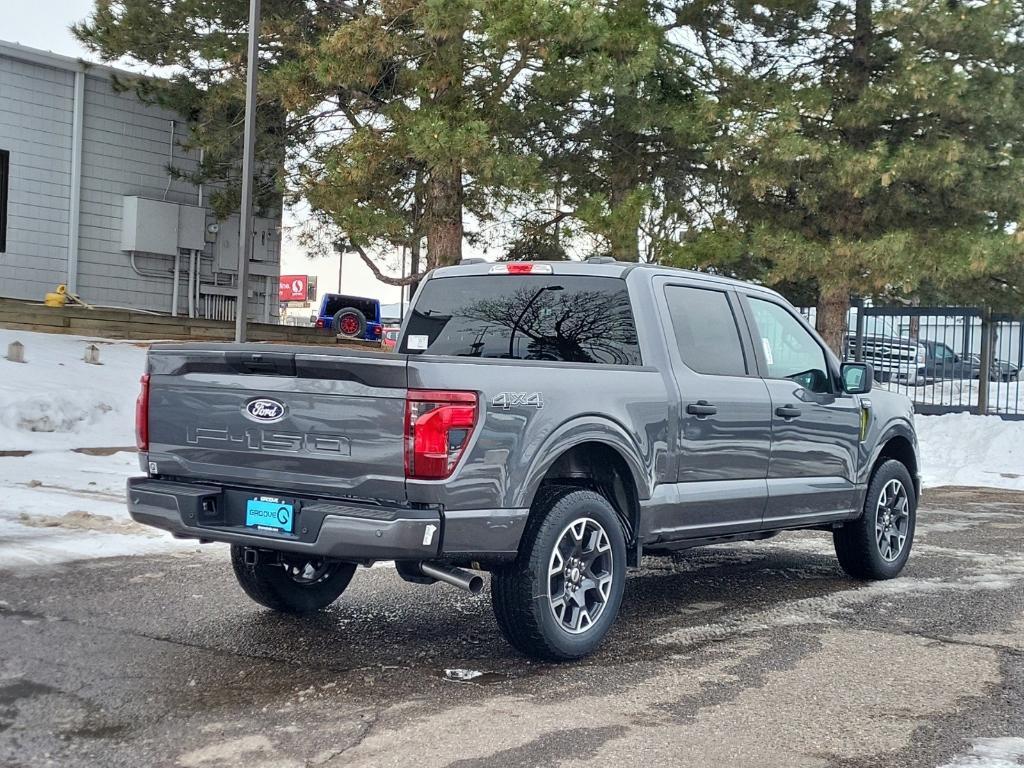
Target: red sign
(293, 288)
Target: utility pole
(401, 295)
(248, 160)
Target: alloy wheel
(349, 324)
(892, 520)
(580, 575)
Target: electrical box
(191, 227)
(160, 227)
(264, 243)
(226, 247)
(149, 226)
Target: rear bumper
(325, 528)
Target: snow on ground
(57, 400)
(1006, 752)
(62, 504)
(963, 449)
(1003, 396)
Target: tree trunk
(414, 266)
(443, 216)
(442, 212)
(833, 307)
(624, 234)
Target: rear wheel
(559, 598)
(292, 584)
(877, 545)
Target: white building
(86, 199)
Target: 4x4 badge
(508, 400)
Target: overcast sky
(24, 23)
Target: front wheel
(560, 596)
(291, 584)
(877, 545)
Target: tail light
(142, 415)
(438, 426)
(376, 331)
(520, 268)
(319, 322)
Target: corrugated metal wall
(126, 150)
(35, 127)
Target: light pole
(248, 160)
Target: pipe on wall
(191, 283)
(170, 161)
(202, 156)
(75, 194)
(174, 290)
(199, 279)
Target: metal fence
(945, 359)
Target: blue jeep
(353, 317)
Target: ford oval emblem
(265, 410)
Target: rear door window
(706, 331)
(564, 318)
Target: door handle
(701, 408)
(787, 411)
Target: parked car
(919, 361)
(546, 422)
(353, 317)
(999, 370)
(390, 338)
(892, 357)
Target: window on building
(5, 166)
(706, 331)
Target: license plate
(269, 514)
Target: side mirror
(857, 378)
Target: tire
(349, 323)
(560, 628)
(272, 584)
(869, 551)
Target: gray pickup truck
(548, 423)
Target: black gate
(945, 359)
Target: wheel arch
(579, 455)
(898, 443)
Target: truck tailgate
(328, 423)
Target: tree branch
(386, 279)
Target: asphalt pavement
(760, 654)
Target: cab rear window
(573, 319)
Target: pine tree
(388, 115)
(620, 129)
(872, 147)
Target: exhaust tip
(457, 577)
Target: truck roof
(603, 268)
